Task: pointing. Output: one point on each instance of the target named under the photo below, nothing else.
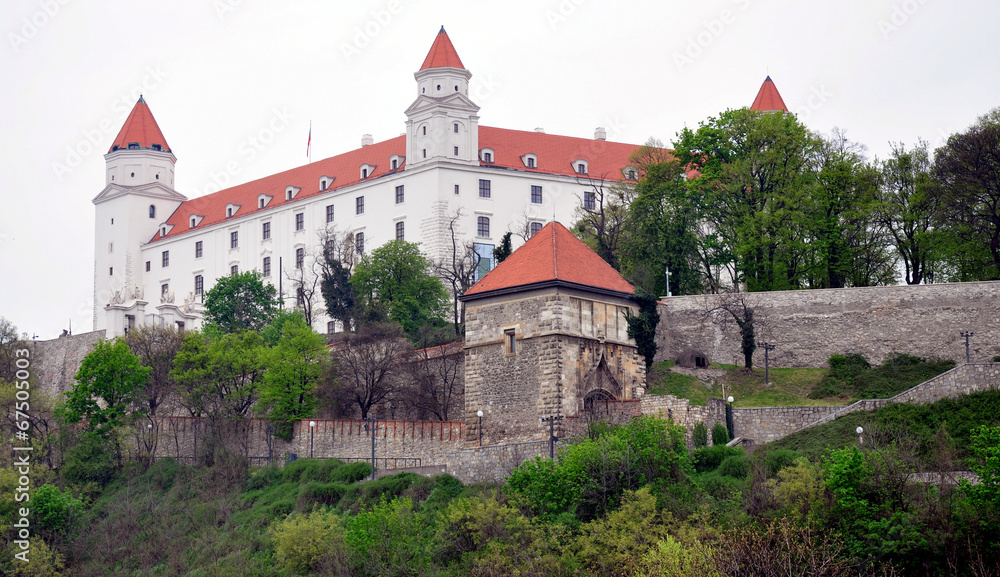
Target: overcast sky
(233, 85)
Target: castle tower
(137, 199)
(546, 336)
(442, 123)
(768, 99)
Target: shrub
(700, 435)
(386, 539)
(709, 458)
(778, 459)
(470, 523)
(315, 493)
(351, 472)
(719, 487)
(91, 460)
(720, 434)
(304, 543)
(735, 466)
(323, 470)
(798, 489)
(614, 544)
(264, 477)
(672, 558)
(55, 512)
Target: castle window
(581, 167)
(400, 230)
(439, 87)
(359, 242)
(164, 289)
(456, 189)
(531, 162)
(535, 228)
(395, 164)
(157, 147)
(329, 213)
(536, 194)
(364, 173)
(267, 266)
(157, 176)
(425, 153)
(510, 341)
(133, 146)
(300, 221)
(199, 284)
(165, 258)
(300, 257)
(197, 249)
(483, 226)
(234, 270)
(456, 151)
(399, 194)
(487, 157)
(163, 232)
(194, 223)
(262, 203)
(152, 211)
(456, 88)
(359, 205)
(133, 175)
(111, 247)
(300, 297)
(331, 327)
(229, 212)
(589, 200)
(265, 232)
(454, 127)
(111, 271)
(322, 184)
(234, 239)
(484, 188)
(289, 195)
(425, 130)
(147, 266)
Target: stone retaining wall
(493, 463)
(808, 326)
(56, 362)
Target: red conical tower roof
(442, 54)
(140, 127)
(768, 99)
(553, 257)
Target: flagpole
(309, 153)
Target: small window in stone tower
(454, 128)
(152, 211)
(510, 342)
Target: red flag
(309, 142)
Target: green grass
(912, 425)
(788, 387)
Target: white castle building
(157, 252)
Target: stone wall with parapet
(684, 413)
(808, 326)
(57, 361)
(493, 463)
(428, 441)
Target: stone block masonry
(808, 326)
(57, 361)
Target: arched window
(152, 211)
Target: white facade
(445, 158)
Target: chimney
(367, 140)
(540, 130)
(600, 133)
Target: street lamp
(861, 440)
(729, 417)
(967, 335)
(768, 347)
(551, 420)
(479, 414)
(371, 423)
(312, 432)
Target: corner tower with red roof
(137, 200)
(442, 123)
(768, 99)
(546, 336)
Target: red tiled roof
(552, 255)
(442, 54)
(556, 155)
(768, 99)
(140, 127)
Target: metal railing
(380, 462)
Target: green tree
(156, 348)
(968, 170)
(294, 366)
(396, 277)
(335, 286)
(755, 175)
(241, 302)
(642, 326)
(501, 252)
(108, 384)
(220, 378)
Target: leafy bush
(720, 434)
(700, 435)
(709, 458)
(778, 459)
(672, 558)
(798, 489)
(719, 487)
(91, 460)
(315, 493)
(853, 376)
(55, 511)
(735, 466)
(386, 540)
(322, 470)
(470, 523)
(614, 544)
(351, 472)
(264, 477)
(305, 543)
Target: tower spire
(768, 99)
(442, 53)
(140, 129)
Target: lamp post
(479, 414)
(551, 420)
(729, 418)
(967, 335)
(312, 432)
(768, 347)
(668, 280)
(861, 440)
(194, 459)
(371, 423)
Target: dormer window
(163, 232)
(291, 191)
(231, 209)
(530, 160)
(629, 172)
(395, 161)
(263, 200)
(194, 223)
(580, 166)
(367, 170)
(133, 146)
(196, 219)
(156, 147)
(165, 229)
(325, 182)
(486, 155)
